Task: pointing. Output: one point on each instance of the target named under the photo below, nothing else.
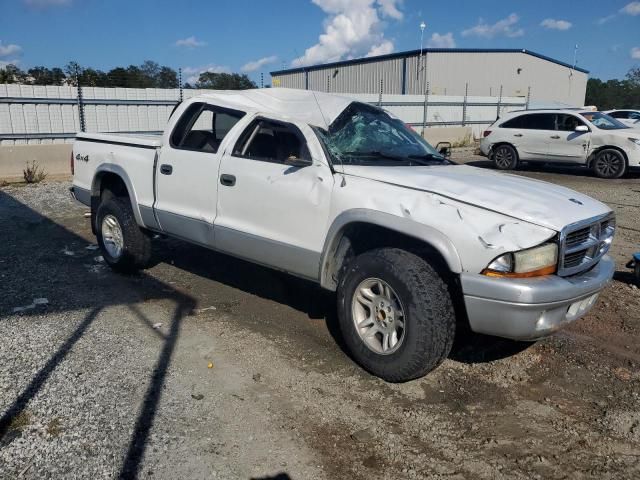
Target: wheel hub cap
(378, 316)
(112, 236)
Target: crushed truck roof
(315, 108)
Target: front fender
(436, 239)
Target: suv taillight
(486, 133)
(71, 164)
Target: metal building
(454, 71)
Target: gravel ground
(209, 367)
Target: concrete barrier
(458, 136)
(54, 159)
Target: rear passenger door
(187, 172)
(531, 133)
(274, 197)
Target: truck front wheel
(396, 314)
(125, 247)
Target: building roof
(411, 53)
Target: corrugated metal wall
(448, 73)
(52, 118)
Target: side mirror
(444, 149)
(582, 128)
(298, 162)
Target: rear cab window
(202, 127)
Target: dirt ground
(206, 366)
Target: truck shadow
(311, 300)
(40, 270)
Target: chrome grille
(584, 243)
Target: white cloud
(257, 64)
(441, 41)
(632, 9)
(192, 74)
(10, 49)
(190, 42)
(47, 3)
(603, 20)
(507, 27)
(553, 24)
(389, 8)
(384, 48)
(352, 28)
(635, 53)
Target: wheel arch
(115, 178)
(593, 154)
(359, 230)
(501, 143)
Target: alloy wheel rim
(609, 164)
(112, 236)
(504, 157)
(378, 316)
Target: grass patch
(20, 421)
(54, 427)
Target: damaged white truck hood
(533, 201)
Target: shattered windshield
(366, 135)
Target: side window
(272, 142)
(514, 122)
(202, 127)
(619, 114)
(634, 115)
(567, 123)
(539, 121)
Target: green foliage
(615, 93)
(224, 81)
(148, 75)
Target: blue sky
(259, 36)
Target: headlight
(635, 140)
(533, 262)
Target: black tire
(136, 251)
(609, 163)
(429, 316)
(505, 157)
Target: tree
(224, 81)
(12, 74)
(615, 93)
(167, 78)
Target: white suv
(594, 139)
(630, 118)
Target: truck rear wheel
(396, 314)
(125, 247)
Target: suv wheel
(125, 247)
(396, 314)
(505, 157)
(609, 163)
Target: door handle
(227, 180)
(555, 136)
(166, 169)
(517, 134)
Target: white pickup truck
(344, 194)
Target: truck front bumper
(532, 308)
